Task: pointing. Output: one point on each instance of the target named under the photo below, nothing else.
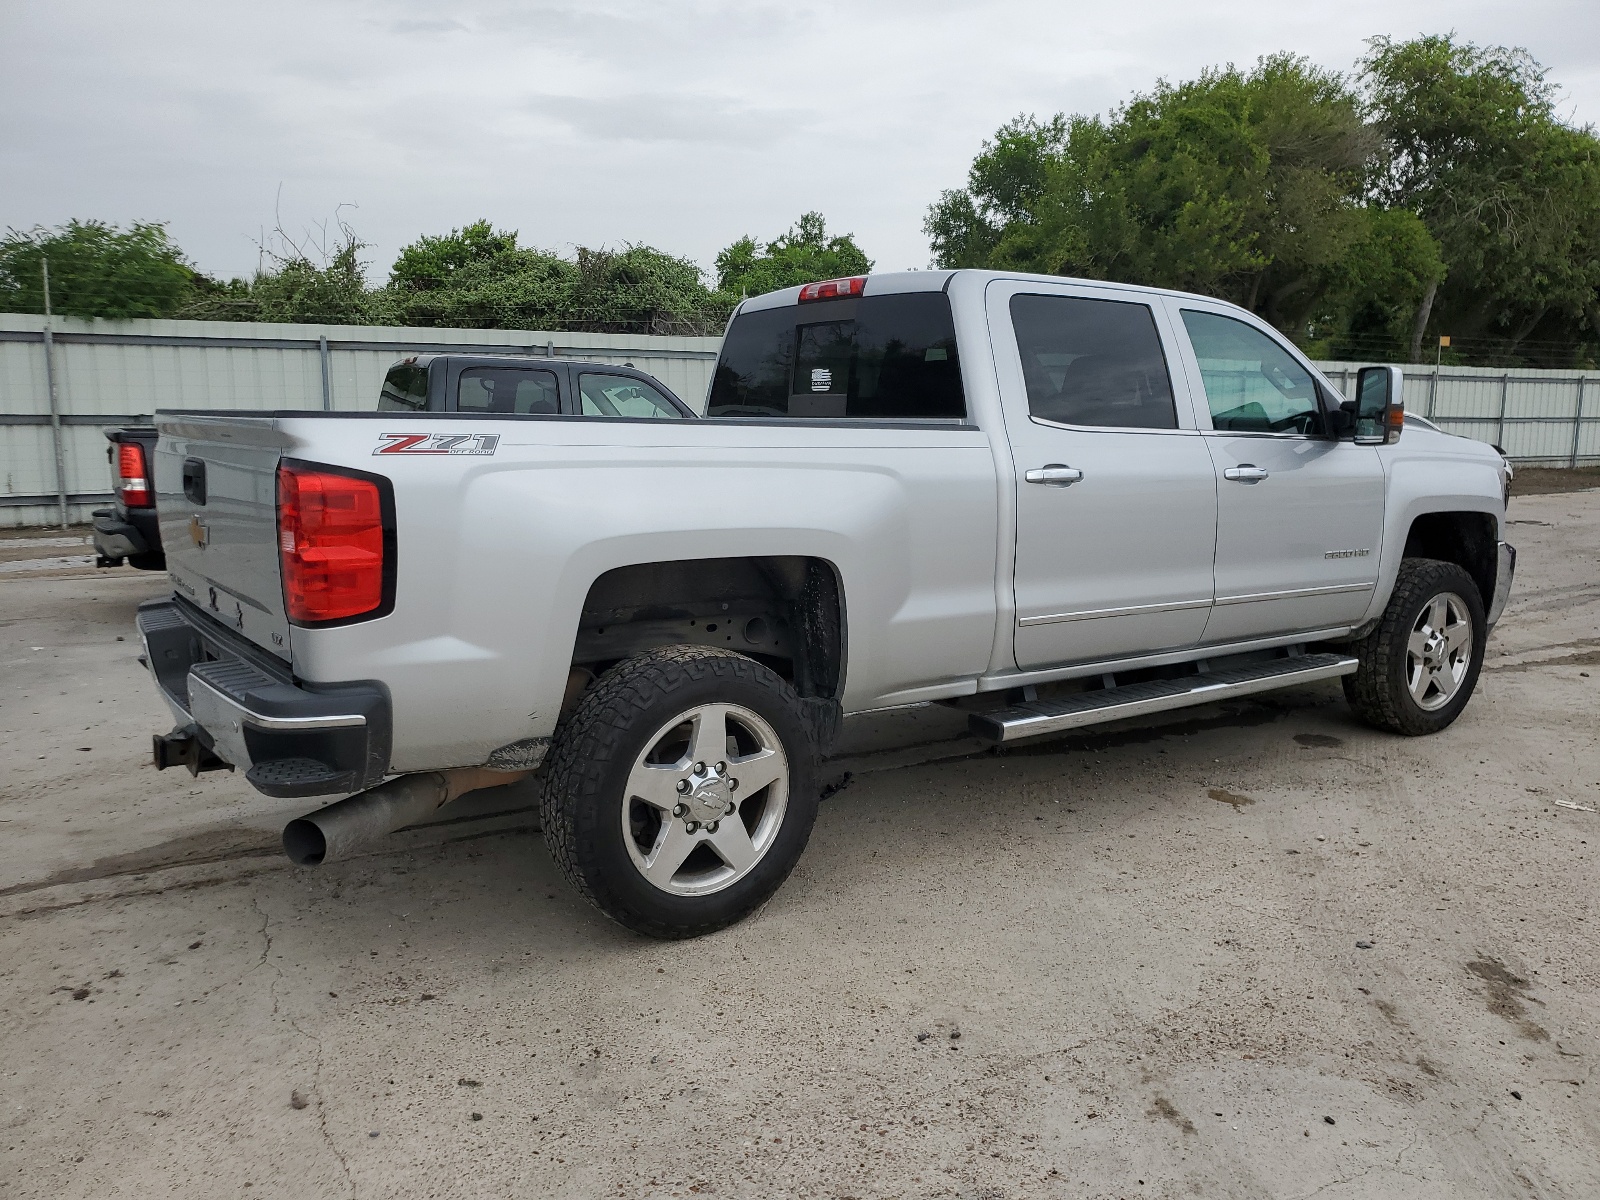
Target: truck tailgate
(216, 492)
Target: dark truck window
(507, 390)
(884, 357)
(405, 389)
(622, 396)
(1093, 362)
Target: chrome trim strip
(1091, 614)
(1176, 654)
(1296, 593)
(277, 724)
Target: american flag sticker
(821, 379)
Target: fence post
(327, 375)
(1433, 392)
(1500, 426)
(50, 386)
(1577, 423)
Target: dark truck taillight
(335, 542)
(133, 480)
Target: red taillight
(133, 485)
(834, 289)
(331, 544)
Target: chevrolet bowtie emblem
(198, 533)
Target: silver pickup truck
(1048, 502)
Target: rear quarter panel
(496, 554)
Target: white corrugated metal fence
(112, 372)
(107, 373)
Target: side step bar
(1136, 699)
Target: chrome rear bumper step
(1136, 699)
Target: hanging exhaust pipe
(342, 829)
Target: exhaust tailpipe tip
(304, 843)
(345, 827)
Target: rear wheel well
(1467, 539)
(786, 611)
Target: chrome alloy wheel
(1439, 651)
(705, 799)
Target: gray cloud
(683, 125)
(672, 117)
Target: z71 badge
(438, 443)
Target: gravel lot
(1257, 950)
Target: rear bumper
(135, 537)
(1505, 569)
(289, 737)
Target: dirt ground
(1256, 950)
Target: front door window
(1252, 384)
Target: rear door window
(512, 390)
(884, 357)
(1097, 363)
(405, 389)
(623, 396)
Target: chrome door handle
(1248, 473)
(1053, 475)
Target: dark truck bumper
(238, 707)
(134, 537)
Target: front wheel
(681, 790)
(1420, 665)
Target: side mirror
(1380, 414)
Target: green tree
(479, 277)
(1510, 192)
(434, 263)
(804, 254)
(96, 270)
(1245, 185)
(293, 287)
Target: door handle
(1245, 473)
(1053, 475)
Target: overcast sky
(680, 125)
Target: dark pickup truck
(128, 533)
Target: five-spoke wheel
(705, 799)
(682, 789)
(1420, 664)
(1439, 651)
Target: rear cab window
(887, 357)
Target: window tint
(888, 357)
(507, 390)
(1093, 362)
(1253, 385)
(405, 389)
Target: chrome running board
(1037, 717)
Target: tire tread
(1375, 690)
(604, 725)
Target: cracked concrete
(1064, 971)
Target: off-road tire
(1377, 691)
(595, 748)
